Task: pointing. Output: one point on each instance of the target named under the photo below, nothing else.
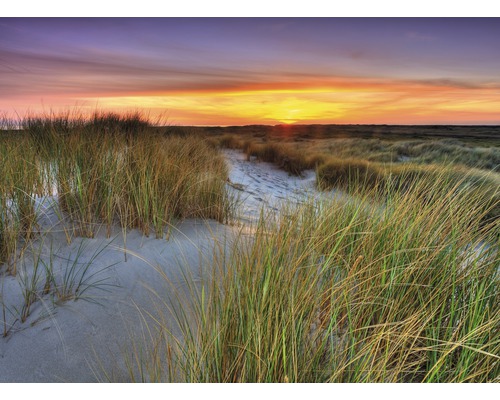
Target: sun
(289, 116)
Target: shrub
(347, 174)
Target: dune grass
(105, 169)
(347, 173)
(19, 184)
(142, 184)
(385, 179)
(346, 292)
(384, 148)
(287, 158)
(284, 155)
(98, 172)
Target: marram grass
(99, 172)
(374, 164)
(403, 289)
(407, 291)
(105, 169)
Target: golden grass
(345, 292)
(106, 169)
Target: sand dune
(75, 341)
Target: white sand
(59, 342)
(264, 185)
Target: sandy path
(263, 184)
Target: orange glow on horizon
(348, 101)
(389, 103)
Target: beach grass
(92, 173)
(346, 291)
(469, 146)
(105, 169)
(373, 163)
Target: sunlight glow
(391, 104)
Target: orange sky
(401, 103)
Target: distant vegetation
(458, 145)
(385, 162)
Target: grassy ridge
(105, 169)
(469, 133)
(348, 292)
(305, 153)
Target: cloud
(212, 87)
(26, 72)
(448, 83)
(97, 74)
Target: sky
(240, 71)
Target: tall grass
(348, 292)
(173, 177)
(106, 169)
(20, 182)
(386, 149)
(286, 157)
(345, 174)
(352, 174)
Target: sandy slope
(61, 342)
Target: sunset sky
(238, 71)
